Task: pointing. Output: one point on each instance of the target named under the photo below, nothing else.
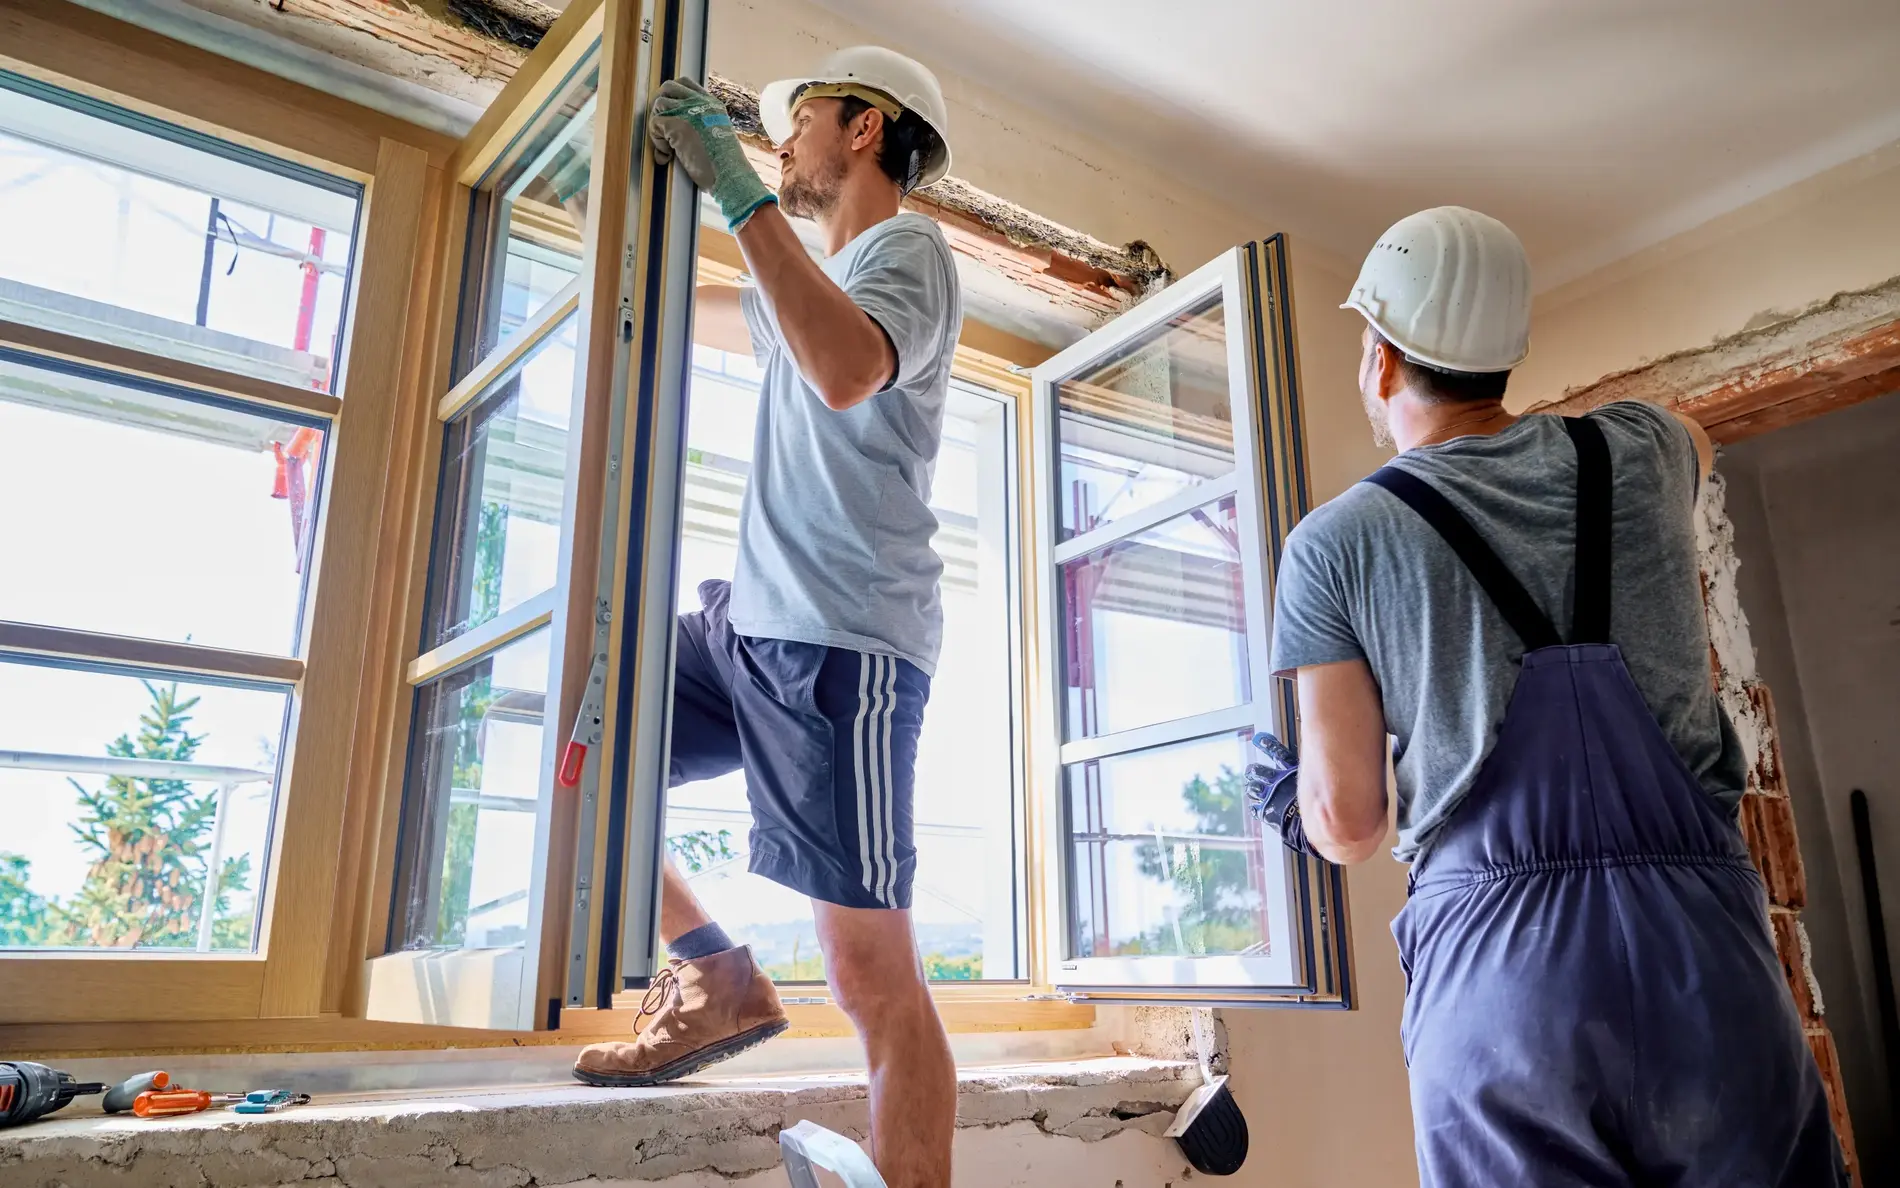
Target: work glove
(691, 125)
(1273, 791)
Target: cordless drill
(29, 1091)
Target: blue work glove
(692, 126)
(1273, 789)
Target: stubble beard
(1377, 417)
(813, 197)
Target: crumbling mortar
(1755, 350)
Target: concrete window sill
(705, 1131)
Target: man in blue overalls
(1593, 996)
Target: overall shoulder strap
(1507, 593)
(1590, 614)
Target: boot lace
(665, 985)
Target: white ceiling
(1593, 127)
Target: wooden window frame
(309, 894)
(327, 898)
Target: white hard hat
(1451, 288)
(909, 83)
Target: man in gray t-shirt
(834, 534)
(1364, 578)
(1592, 993)
(811, 669)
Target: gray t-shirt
(1364, 577)
(835, 529)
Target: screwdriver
(164, 1103)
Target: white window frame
(1308, 958)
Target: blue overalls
(1593, 997)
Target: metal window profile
(641, 529)
(1305, 958)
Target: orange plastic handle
(161, 1103)
(572, 760)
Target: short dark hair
(908, 143)
(1440, 386)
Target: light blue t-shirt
(835, 529)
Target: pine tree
(1214, 880)
(150, 840)
(23, 912)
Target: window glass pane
(120, 795)
(134, 512)
(534, 204)
(469, 807)
(965, 899)
(1155, 625)
(500, 510)
(1151, 420)
(130, 233)
(1167, 861)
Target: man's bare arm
(843, 354)
(719, 319)
(1704, 448)
(1342, 761)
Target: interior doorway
(1816, 532)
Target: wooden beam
(1091, 294)
(1830, 357)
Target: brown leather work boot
(704, 1010)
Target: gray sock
(703, 941)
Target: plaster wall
(1820, 564)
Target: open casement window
(1168, 468)
(548, 614)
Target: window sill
(557, 1134)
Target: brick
(1794, 965)
(1768, 827)
(1769, 775)
(1821, 1043)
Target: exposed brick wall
(1767, 816)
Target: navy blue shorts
(827, 738)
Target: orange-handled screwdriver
(163, 1103)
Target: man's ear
(864, 133)
(1387, 378)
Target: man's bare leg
(872, 964)
(680, 909)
